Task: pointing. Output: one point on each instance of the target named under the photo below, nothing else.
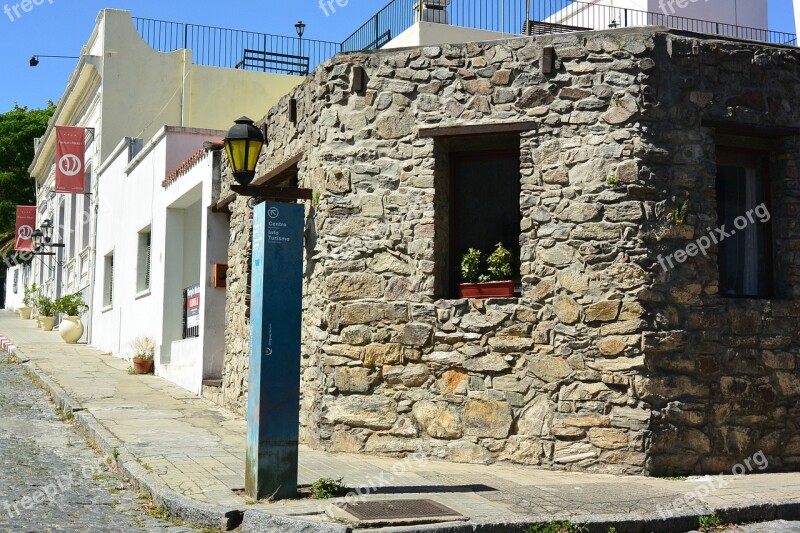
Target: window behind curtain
(745, 256)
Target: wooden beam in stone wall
(477, 129)
(280, 172)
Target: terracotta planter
(71, 329)
(490, 289)
(48, 322)
(142, 366)
(25, 313)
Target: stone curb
(253, 521)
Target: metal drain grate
(397, 510)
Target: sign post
(273, 401)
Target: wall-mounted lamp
(243, 143)
(34, 61)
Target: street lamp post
(300, 27)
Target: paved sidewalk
(190, 454)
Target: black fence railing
(222, 47)
(533, 17)
(395, 18)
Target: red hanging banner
(70, 160)
(26, 221)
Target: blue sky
(62, 27)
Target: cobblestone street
(50, 478)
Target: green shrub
(500, 263)
(557, 527)
(46, 306)
(325, 488)
(71, 305)
(29, 300)
(471, 266)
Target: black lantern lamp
(37, 237)
(243, 144)
(47, 230)
(301, 28)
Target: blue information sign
(273, 402)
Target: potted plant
(143, 350)
(27, 301)
(495, 281)
(71, 308)
(47, 312)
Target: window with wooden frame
(745, 257)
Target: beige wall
(215, 96)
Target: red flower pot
(489, 289)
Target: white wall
(430, 33)
(184, 242)
(14, 299)
(721, 15)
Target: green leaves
(18, 128)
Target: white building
(124, 92)
(18, 276)
(443, 21)
(157, 236)
(747, 19)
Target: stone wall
(605, 362)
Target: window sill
(144, 294)
(107, 308)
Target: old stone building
(641, 338)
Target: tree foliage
(18, 128)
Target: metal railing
(395, 18)
(223, 47)
(542, 16)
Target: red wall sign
(26, 222)
(70, 160)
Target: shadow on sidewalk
(421, 489)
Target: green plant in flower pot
(71, 308)
(144, 349)
(28, 300)
(47, 312)
(492, 282)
